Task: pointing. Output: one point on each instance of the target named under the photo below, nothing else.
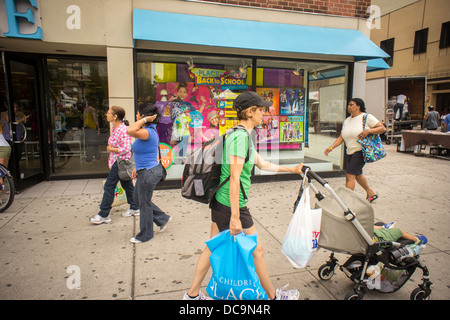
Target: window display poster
(189, 102)
(272, 95)
(166, 155)
(268, 132)
(292, 101)
(225, 124)
(291, 129)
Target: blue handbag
(372, 148)
(233, 270)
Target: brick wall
(347, 8)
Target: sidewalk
(46, 233)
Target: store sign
(233, 80)
(21, 19)
(166, 155)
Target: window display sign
(272, 95)
(231, 79)
(166, 155)
(268, 132)
(283, 123)
(291, 129)
(292, 101)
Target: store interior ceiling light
(243, 67)
(190, 63)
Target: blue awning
(377, 65)
(254, 35)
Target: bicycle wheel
(7, 192)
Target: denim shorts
(221, 214)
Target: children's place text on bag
(243, 288)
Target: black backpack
(201, 174)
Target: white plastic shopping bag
(302, 235)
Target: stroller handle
(314, 175)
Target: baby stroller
(381, 266)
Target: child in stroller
(387, 232)
(382, 259)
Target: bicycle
(7, 188)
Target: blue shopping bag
(234, 276)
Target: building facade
(416, 35)
(65, 62)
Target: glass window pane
(307, 114)
(78, 104)
(194, 95)
(327, 108)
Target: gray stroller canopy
(337, 234)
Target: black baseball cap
(249, 99)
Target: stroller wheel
(420, 294)
(353, 296)
(326, 272)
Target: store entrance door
(23, 127)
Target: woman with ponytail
(119, 147)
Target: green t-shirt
(236, 144)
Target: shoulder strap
(247, 158)
(365, 120)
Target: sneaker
(201, 296)
(389, 225)
(134, 240)
(97, 219)
(163, 227)
(131, 213)
(282, 294)
(422, 240)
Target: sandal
(372, 198)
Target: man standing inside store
(92, 132)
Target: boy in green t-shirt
(229, 210)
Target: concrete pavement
(46, 239)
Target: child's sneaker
(389, 225)
(282, 294)
(422, 241)
(97, 219)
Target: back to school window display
(291, 129)
(272, 95)
(176, 100)
(292, 101)
(282, 125)
(283, 122)
(268, 132)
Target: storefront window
(280, 138)
(326, 112)
(78, 105)
(195, 95)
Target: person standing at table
(431, 119)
